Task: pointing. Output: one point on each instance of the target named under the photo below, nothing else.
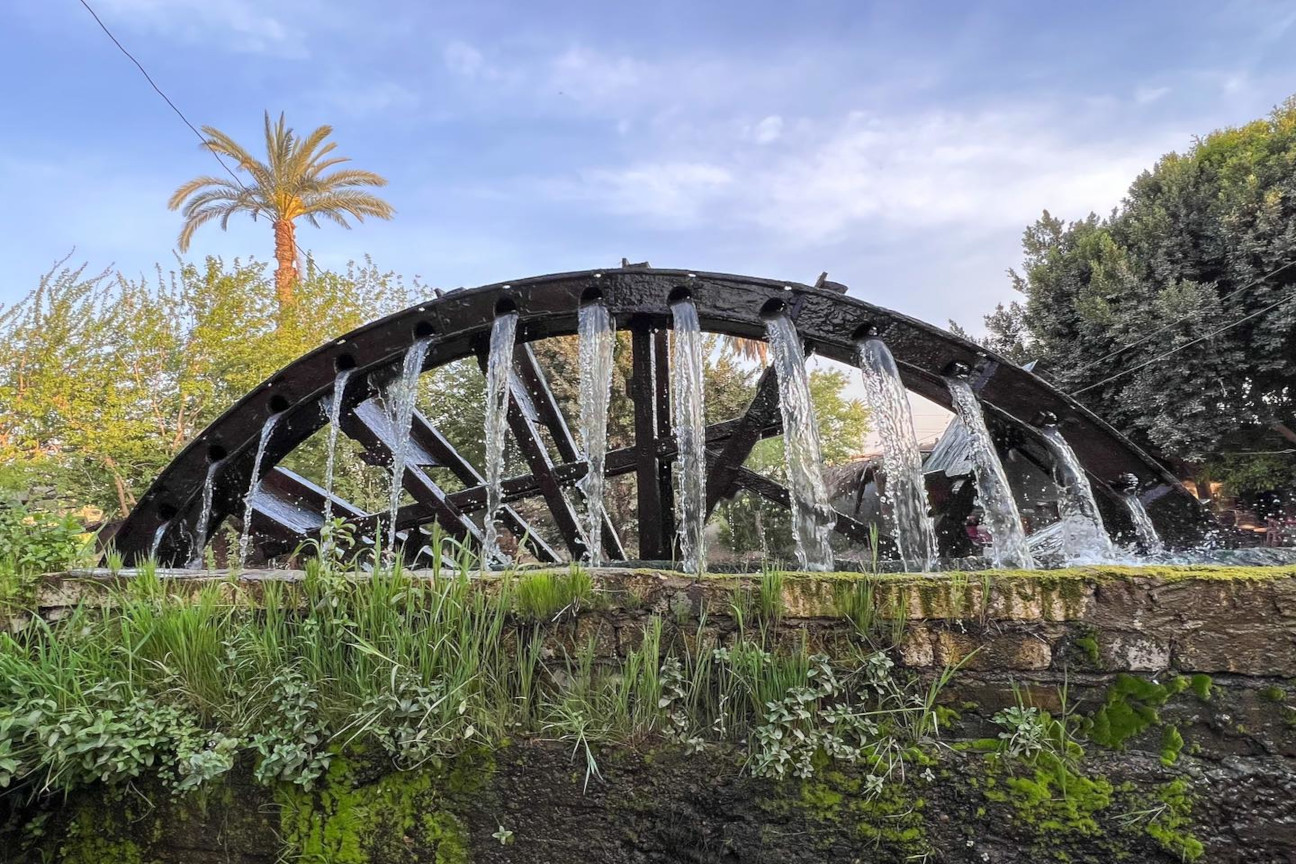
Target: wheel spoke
(771, 490)
(648, 462)
(523, 420)
(369, 424)
(760, 420)
(547, 410)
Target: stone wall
(1186, 676)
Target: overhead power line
(1189, 344)
(1181, 319)
(173, 106)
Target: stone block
(916, 651)
(1007, 651)
(1132, 652)
(1250, 649)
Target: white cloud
(464, 60)
(594, 78)
(245, 26)
(368, 99)
(1148, 95)
(768, 130)
(981, 172)
(672, 193)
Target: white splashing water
(904, 496)
(156, 544)
(1144, 530)
(330, 453)
(1008, 547)
(597, 339)
(245, 538)
(204, 516)
(404, 396)
(688, 424)
(1083, 539)
(499, 370)
(812, 514)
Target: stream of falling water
(905, 493)
(812, 513)
(204, 516)
(245, 537)
(688, 424)
(499, 369)
(1144, 530)
(1008, 547)
(597, 338)
(1084, 539)
(335, 412)
(157, 540)
(402, 415)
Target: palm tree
(290, 184)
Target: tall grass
(418, 668)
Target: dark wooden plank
(647, 463)
(551, 416)
(761, 415)
(665, 466)
(434, 446)
(369, 425)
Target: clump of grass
(769, 593)
(548, 595)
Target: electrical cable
(1183, 318)
(1179, 348)
(174, 107)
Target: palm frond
(351, 202)
(222, 144)
(350, 177)
(178, 197)
(290, 183)
(307, 150)
(194, 222)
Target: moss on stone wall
(398, 817)
(1132, 706)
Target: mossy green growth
(1273, 694)
(400, 817)
(1201, 685)
(1089, 645)
(891, 818)
(1055, 799)
(99, 833)
(1172, 743)
(1169, 828)
(1131, 707)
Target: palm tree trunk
(286, 256)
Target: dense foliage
(104, 379)
(1207, 238)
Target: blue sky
(901, 147)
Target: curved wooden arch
(459, 323)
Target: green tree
(291, 184)
(103, 379)
(1200, 242)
